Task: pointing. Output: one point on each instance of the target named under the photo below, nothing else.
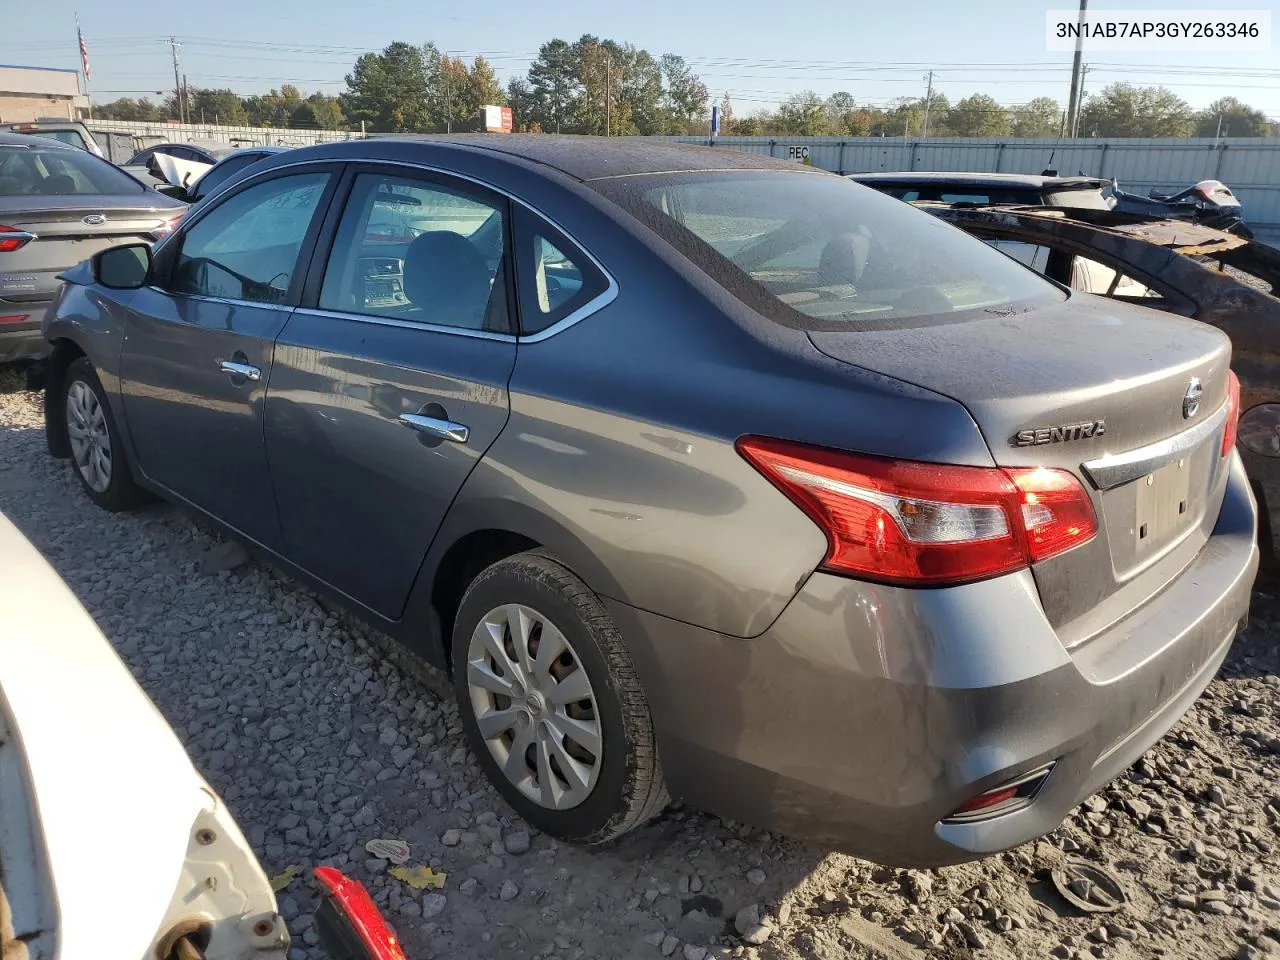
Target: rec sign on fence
(799, 154)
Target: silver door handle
(444, 429)
(235, 369)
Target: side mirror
(123, 268)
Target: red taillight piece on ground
(1233, 412)
(17, 238)
(900, 521)
(353, 899)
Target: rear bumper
(23, 339)
(867, 714)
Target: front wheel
(97, 453)
(551, 702)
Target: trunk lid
(64, 238)
(1098, 388)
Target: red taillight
(358, 907)
(14, 238)
(1233, 412)
(166, 228)
(14, 317)
(899, 521)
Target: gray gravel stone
(516, 842)
(433, 904)
(669, 945)
(509, 891)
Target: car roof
(25, 140)
(583, 158)
(1005, 180)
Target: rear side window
(59, 172)
(822, 252)
(556, 278)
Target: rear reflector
(1233, 412)
(1009, 796)
(14, 317)
(926, 524)
(360, 917)
(14, 238)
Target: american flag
(84, 52)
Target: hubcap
(87, 431)
(534, 706)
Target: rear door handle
(235, 369)
(433, 427)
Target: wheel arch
(476, 534)
(64, 352)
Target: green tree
(216, 106)
(978, 115)
(749, 126)
(1041, 117)
(1123, 110)
(641, 88)
(685, 95)
(804, 114)
(388, 90)
(1228, 117)
(126, 108)
(485, 88)
(520, 98)
(555, 89)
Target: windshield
(824, 252)
(57, 172)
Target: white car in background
(112, 846)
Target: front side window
(419, 251)
(247, 247)
(822, 252)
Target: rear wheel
(551, 702)
(97, 455)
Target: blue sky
(760, 52)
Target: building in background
(29, 93)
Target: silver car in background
(58, 205)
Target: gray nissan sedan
(707, 476)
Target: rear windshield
(822, 252)
(69, 137)
(58, 172)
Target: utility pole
(928, 102)
(1074, 105)
(177, 82)
(186, 99)
(1084, 73)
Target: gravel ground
(320, 736)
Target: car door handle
(235, 369)
(433, 427)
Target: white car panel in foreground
(111, 844)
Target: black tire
(629, 788)
(121, 492)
